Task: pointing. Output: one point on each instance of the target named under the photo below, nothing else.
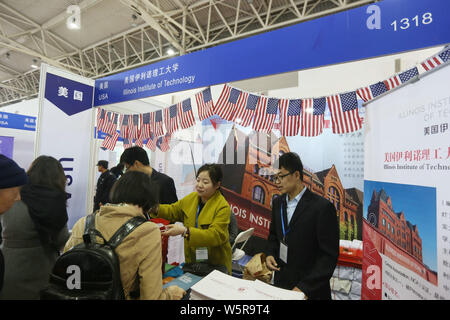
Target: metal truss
(182, 25)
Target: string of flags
(304, 117)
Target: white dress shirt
(291, 205)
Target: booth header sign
(387, 27)
(17, 121)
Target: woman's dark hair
(214, 171)
(47, 171)
(291, 162)
(135, 187)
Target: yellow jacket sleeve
(171, 212)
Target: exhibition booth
(362, 96)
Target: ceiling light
(74, 20)
(34, 64)
(134, 23)
(170, 52)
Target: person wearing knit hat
(12, 177)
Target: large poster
(406, 192)
(65, 131)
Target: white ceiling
(118, 35)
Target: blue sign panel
(17, 121)
(6, 146)
(70, 96)
(387, 27)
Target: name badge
(201, 254)
(283, 252)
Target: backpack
(90, 270)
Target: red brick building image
(394, 225)
(249, 187)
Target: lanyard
(285, 232)
(196, 217)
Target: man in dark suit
(136, 158)
(303, 242)
(104, 185)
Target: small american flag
(437, 59)
(186, 115)
(312, 117)
(344, 112)
(124, 128)
(245, 112)
(229, 99)
(126, 143)
(139, 142)
(171, 118)
(290, 113)
(156, 123)
(145, 125)
(163, 143)
(372, 91)
(110, 141)
(111, 125)
(266, 112)
(101, 119)
(403, 77)
(205, 104)
(151, 142)
(134, 127)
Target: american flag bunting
(171, 118)
(266, 112)
(186, 115)
(437, 59)
(151, 142)
(372, 91)
(156, 123)
(110, 141)
(344, 112)
(124, 126)
(400, 78)
(245, 112)
(205, 104)
(145, 125)
(313, 111)
(290, 116)
(134, 128)
(163, 143)
(229, 99)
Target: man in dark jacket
(136, 158)
(12, 177)
(104, 185)
(303, 242)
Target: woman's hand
(174, 230)
(176, 293)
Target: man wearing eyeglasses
(303, 242)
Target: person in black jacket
(104, 185)
(136, 158)
(12, 177)
(303, 242)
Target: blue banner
(69, 96)
(387, 27)
(17, 121)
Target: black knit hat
(11, 175)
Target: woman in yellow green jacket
(206, 216)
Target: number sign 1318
(406, 23)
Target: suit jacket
(167, 191)
(104, 185)
(211, 230)
(313, 245)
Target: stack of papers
(220, 286)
